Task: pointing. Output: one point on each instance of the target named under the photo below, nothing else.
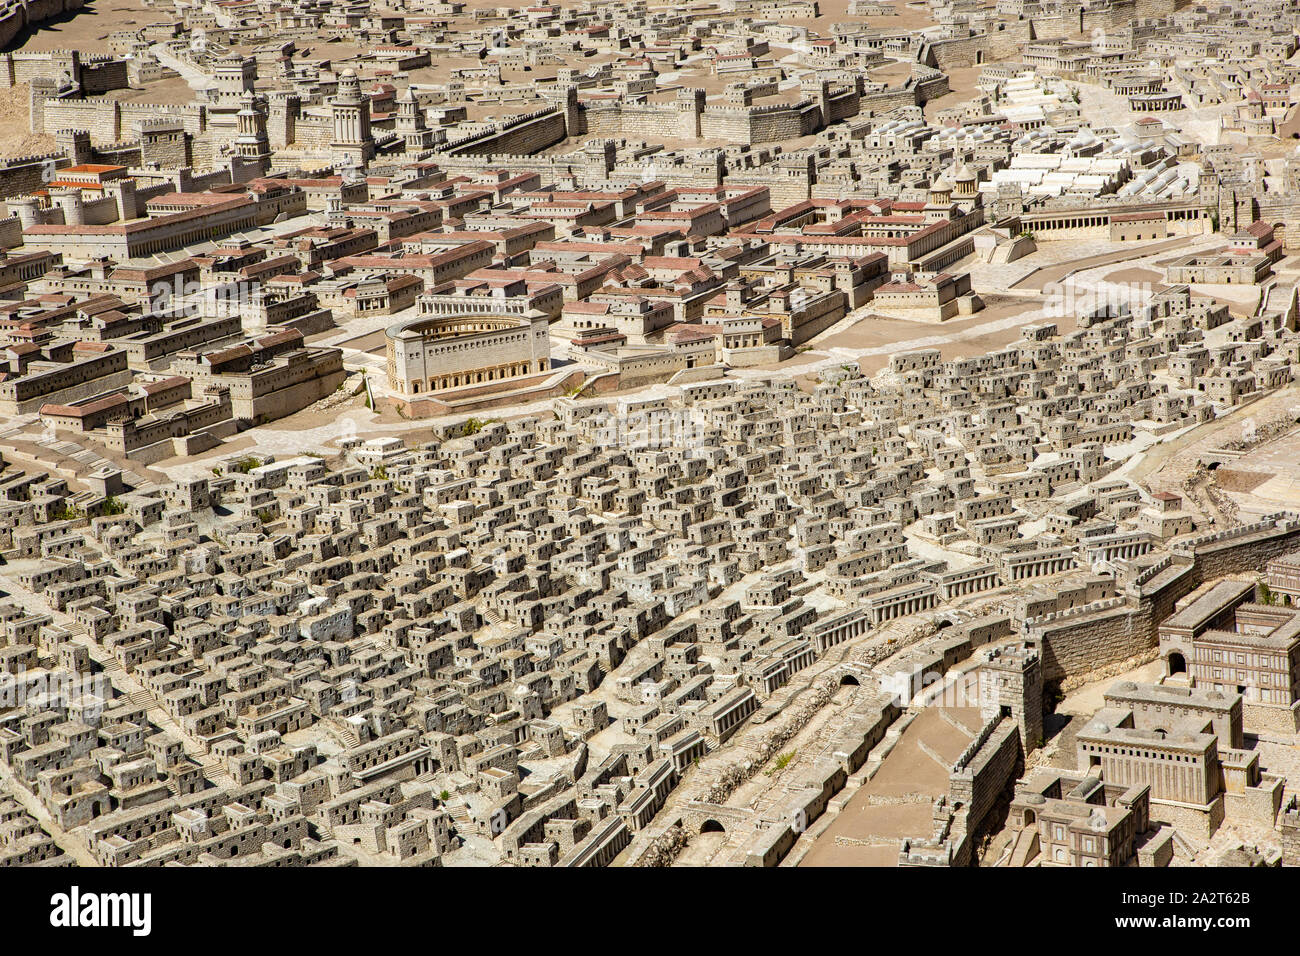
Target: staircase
(1026, 847)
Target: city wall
(110, 121)
(1084, 639)
(11, 232)
(984, 771)
(26, 174)
(759, 124)
(530, 134)
(93, 74)
(752, 125)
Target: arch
(943, 622)
(850, 680)
(1177, 663)
(712, 826)
(1030, 817)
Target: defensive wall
(979, 778)
(94, 73)
(1080, 640)
(752, 125)
(26, 174)
(109, 121)
(528, 133)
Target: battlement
(1093, 607)
(1279, 521)
(962, 765)
(13, 162)
(770, 108)
(1149, 572)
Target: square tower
(1011, 683)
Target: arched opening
(942, 623)
(712, 826)
(850, 680)
(1177, 663)
(1030, 818)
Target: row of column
(1033, 569)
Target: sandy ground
(961, 88)
(1266, 477)
(1144, 276)
(88, 29)
(16, 137)
(882, 812)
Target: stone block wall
(19, 177)
(1199, 822)
(1271, 718)
(1289, 820)
(1094, 636)
(110, 121)
(531, 135)
(985, 771)
(11, 232)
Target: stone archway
(712, 826)
(1177, 663)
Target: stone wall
(92, 74)
(638, 120)
(11, 232)
(109, 121)
(749, 125)
(1077, 643)
(1271, 718)
(1096, 635)
(1198, 822)
(1289, 821)
(166, 143)
(525, 135)
(26, 174)
(985, 770)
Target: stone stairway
(142, 698)
(1025, 849)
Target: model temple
(734, 432)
